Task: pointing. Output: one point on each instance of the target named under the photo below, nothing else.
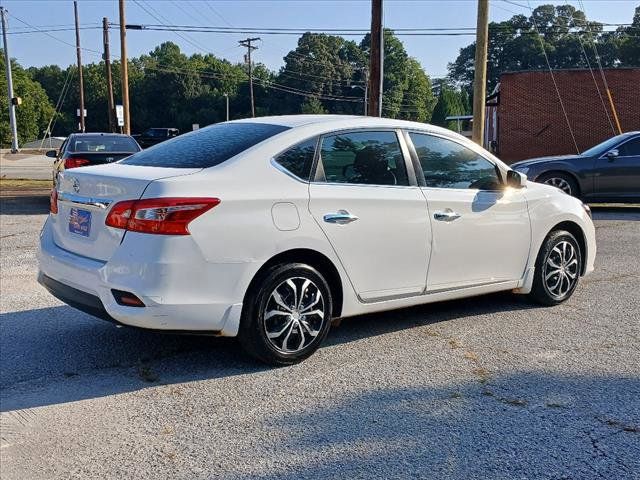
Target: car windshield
(206, 147)
(603, 147)
(102, 143)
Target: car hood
(543, 160)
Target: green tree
(312, 105)
(324, 65)
(466, 102)
(623, 45)
(418, 100)
(406, 87)
(520, 43)
(449, 104)
(35, 112)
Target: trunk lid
(85, 197)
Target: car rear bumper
(91, 304)
(87, 285)
(85, 302)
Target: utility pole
(226, 96)
(12, 100)
(376, 60)
(124, 68)
(480, 75)
(107, 65)
(79, 55)
(250, 48)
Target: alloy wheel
(294, 315)
(560, 183)
(561, 269)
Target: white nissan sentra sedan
(270, 228)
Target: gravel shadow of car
(523, 425)
(72, 356)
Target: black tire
(261, 300)
(550, 257)
(563, 181)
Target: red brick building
(530, 121)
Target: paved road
(489, 387)
(25, 166)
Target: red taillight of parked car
(163, 216)
(53, 201)
(75, 162)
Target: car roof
(630, 134)
(355, 121)
(103, 134)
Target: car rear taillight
(75, 162)
(53, 201)
(164, 216)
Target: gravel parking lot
(488, 387)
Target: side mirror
(516, 179)
(612, 154)
(52, 154)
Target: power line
(586, 57)
(160, 18)
(553, 78)
(449, 33)
(54, 37)
(70, 29)
(604, 79)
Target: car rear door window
(447, 164)
(206, 147)
(371, 158)
(299, 159)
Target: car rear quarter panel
(241, 229)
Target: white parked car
(270, 228)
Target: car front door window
(447, 164)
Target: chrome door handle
(446, 216)
(341, 217)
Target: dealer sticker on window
(80, 222)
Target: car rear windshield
(102, 143)
(206, 147)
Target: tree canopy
(561, 32)
(322, 74)
(450, 102)
(36, 109)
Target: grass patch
(25, 183)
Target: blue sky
(433, 52)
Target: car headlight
(587, 210)
(524, 170)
